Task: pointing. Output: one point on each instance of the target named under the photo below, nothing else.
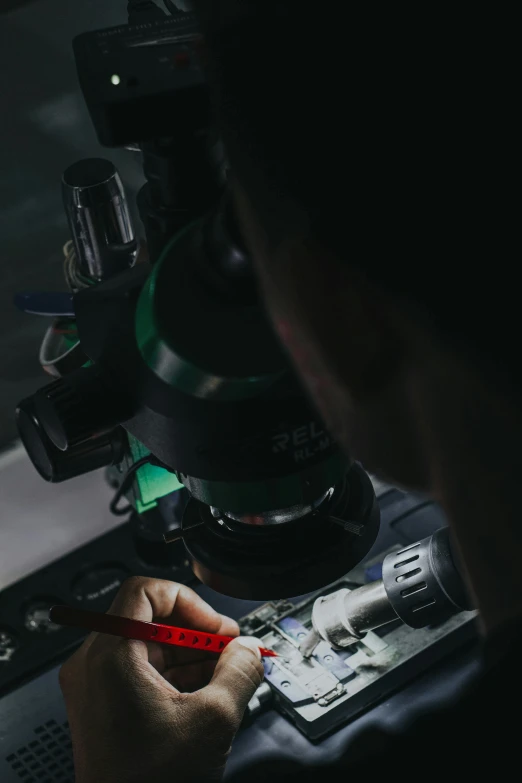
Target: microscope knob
(99, 218)
(78, 407)
(54, 465)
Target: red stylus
(147, 632)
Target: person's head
(369, 195)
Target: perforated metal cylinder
(423, 582)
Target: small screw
(301, 635)
(285, 684)
(328, 658)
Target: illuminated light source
(115, 79)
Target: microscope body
(178, 369)
(175, 379)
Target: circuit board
(333, 686)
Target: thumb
(238, 673)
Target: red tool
(147, 632)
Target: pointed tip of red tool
(266, 653)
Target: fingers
(228, 626)
(181, 655)
(143, 598)
(148, 599)
(238, 673)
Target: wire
(73, 277)
(126, 485)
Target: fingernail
(252, 643)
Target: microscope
(166, 370)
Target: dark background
(44, 127)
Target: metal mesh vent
(47, 758)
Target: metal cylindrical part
(99, 218)
(423, 582)
(330, 621)
(368, 607)
(343, 617)
(276, 516)
(421, 585)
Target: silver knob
(99, 219)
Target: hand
(140, 712)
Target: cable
(73, 277)
(126, 485)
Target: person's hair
(381, 132)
